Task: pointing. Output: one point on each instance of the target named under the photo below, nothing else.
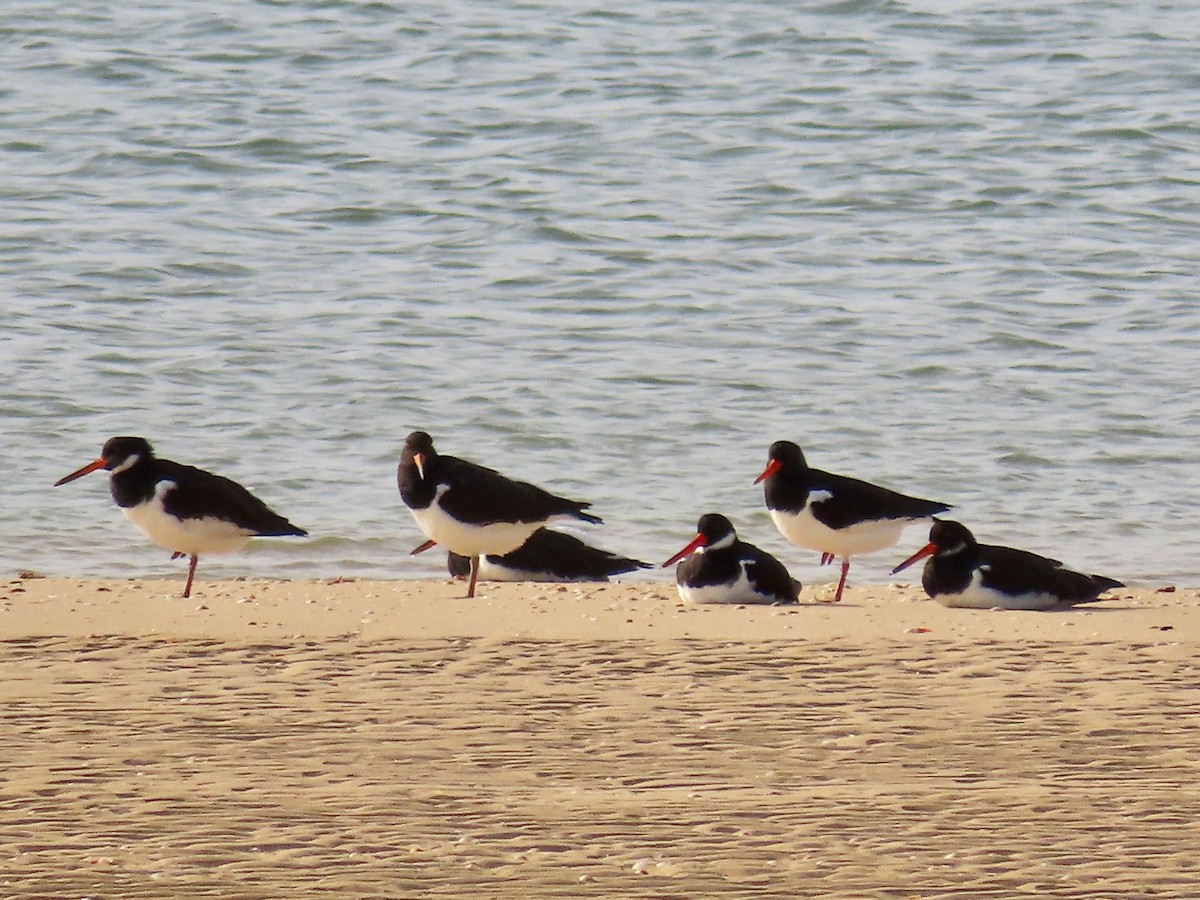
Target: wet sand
(390, 739)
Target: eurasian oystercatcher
(723, 569)
(834, 514)
(961, 572)
(473, 510)
(181, 508)
(548, 555)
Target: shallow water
(616, 251)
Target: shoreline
(421, 609)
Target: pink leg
(474, 575)
(837, 598)
(187, 588)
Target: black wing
(767, 574)
(855, 501)
(1021, 571)
(199, 494)
(566, 556)
(482, 496)
(554, 556)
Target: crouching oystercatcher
(548, 555)
(961, 572)
(724, 569)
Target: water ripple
(614, 251)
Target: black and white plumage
(835, 514)
(473, 510)
(720, 568)
(961, 572)
(548, 555)
(181, 508)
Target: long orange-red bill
(771, 469)
(697, 541)
(920, 554)
(421, 548)
(79, 473)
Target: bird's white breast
(976, 596)
(803, 530)
(737, 591)
(470, 540)
(192, 536)
(495, 571)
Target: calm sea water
(613, 249)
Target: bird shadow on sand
(1051, 610)
(1088, 607)
(822, 604)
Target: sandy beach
(390, 739)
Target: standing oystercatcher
(834, 514)
(961, 572)
(548, 555)
(182, 508)
(724, 569)
(472, 510)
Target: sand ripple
(139, 767)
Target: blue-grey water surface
(613, 249)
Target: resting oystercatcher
(473, 510)
(834, 514)
(548, 555)
(723, 569)
(961, 572)
(182, 508)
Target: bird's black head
(788, 454)
(419, 442)
(117, 455)
(418, 451)
(714, 527)
(712, 531)
(947, 539)
(950, 538)
(458, 566)
(122, 452)
(783, 456)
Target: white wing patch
(803, 530)
(976, 596)
(740, 590)
(470, 540)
